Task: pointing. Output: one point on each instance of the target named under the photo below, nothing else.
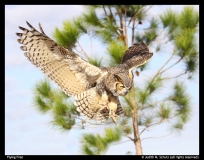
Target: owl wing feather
(73, 74)
(136, 55)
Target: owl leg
(114, 118)
(104, 100)
(112, 107)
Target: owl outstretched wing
(73, 74)
(136, 55)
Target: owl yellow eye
(122, 86)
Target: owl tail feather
(96, 107)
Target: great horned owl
(96, 90)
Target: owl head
(123, 84)
(119, 83)
(120, 79)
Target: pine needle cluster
(47, 99)
(97, 144)
(182, 29)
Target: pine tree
(118, 27)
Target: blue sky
(28, 132)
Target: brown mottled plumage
(96, 90)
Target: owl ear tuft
(117, 77)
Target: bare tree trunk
(137, 140)
(133, 30)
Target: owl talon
(114, 118)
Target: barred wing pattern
(88, 103)
(67, 69)
(137, 55)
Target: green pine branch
(96, 144)
(52, 100)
